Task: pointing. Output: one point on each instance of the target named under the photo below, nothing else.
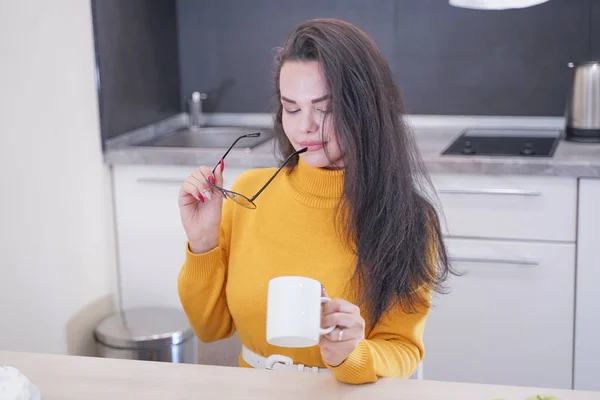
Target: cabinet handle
(510, 192)
(160, 180)
(494, 261)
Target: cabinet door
(508, 207)
(151, 239)
(587, 328)
(508, 320)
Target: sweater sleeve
(394, 348)
(201, 286)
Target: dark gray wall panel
(227, 46)
(447, 60)
(136, 49)
(595, 33)
(514, 62)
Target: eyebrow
(317, 100)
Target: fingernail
(211, 179)
(200, 197)
(207, 194)
(222, 165)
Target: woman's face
(305, 100)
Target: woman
(350, 212)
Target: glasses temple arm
(257, 134)
(277, 172)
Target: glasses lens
(240, 199)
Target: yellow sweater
(290, 233)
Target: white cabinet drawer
(509, 319)
(508, 207)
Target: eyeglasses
(239, 198)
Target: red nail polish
(222, 165)
(200, 197)
(211, 179)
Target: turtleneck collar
(316, 187)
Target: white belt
(277, 362)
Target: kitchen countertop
(61, 377)
(569, 160)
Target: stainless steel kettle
(582, 114)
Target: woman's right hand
(200, 206)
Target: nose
(309, 123)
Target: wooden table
(62, 377)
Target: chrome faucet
(195, 110)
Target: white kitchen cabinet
(509, 319)
(508, 207)
(151, 240)
(587, 325)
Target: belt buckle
(277, 359)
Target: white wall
(57, 263)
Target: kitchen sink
(212, 137)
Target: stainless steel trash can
(153, 334)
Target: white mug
(294, 312)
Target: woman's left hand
(337, 345)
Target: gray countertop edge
(433, 134)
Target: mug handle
(331, 328)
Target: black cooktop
(505, 142)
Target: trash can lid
(144, 327)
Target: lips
(312, 145)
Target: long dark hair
(388, 218)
